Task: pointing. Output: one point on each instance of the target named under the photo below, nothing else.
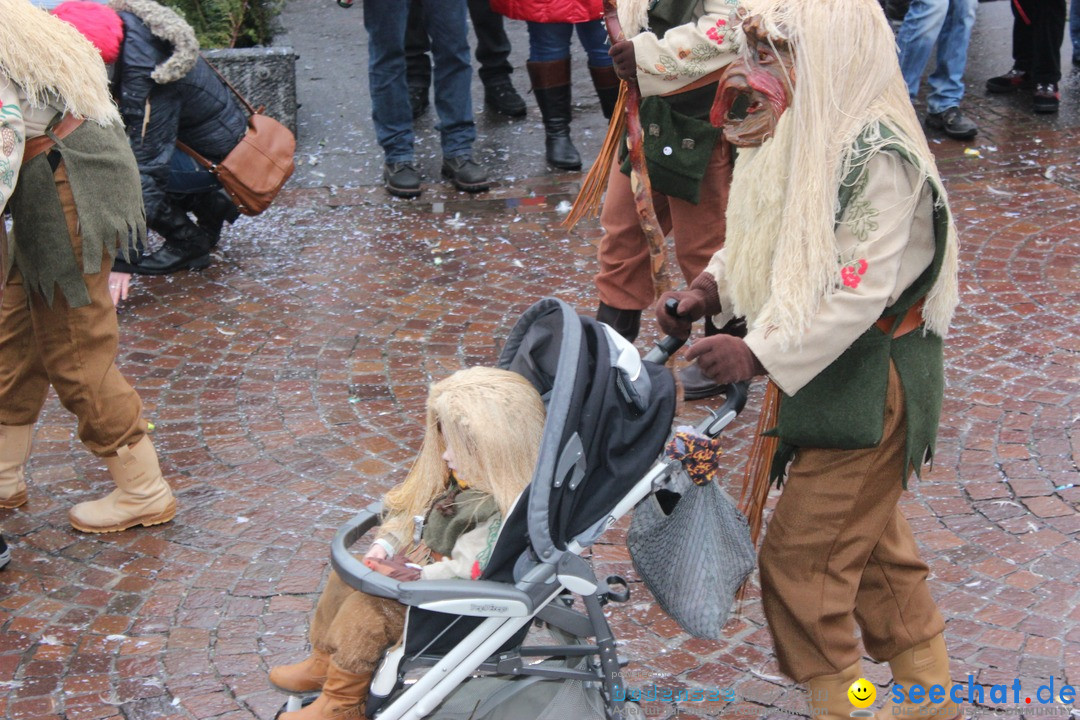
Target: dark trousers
(492, 44)
(1037, 45)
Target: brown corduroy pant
(72, 349)
(838, 552)
(354, 627)
(624, 280)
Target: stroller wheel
(296, 702)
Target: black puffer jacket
(197, 109)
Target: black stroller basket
(608, 416)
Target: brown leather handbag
(256, 169)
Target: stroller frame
(508, 608)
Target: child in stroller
(479, 450)
(464, 652)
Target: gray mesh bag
(691, 546)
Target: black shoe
(419, 100)
(1047, 98)
(500, 96)
(696, 385)
(1012, 80)
(465, 173)
(953, 123)
(401, 179)
(170, 258)
(5, 553)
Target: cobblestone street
(287, 385)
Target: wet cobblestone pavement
(287, 382)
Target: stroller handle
(479, 598)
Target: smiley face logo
(861, 693)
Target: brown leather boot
(926, 664)
(308, 675)
(606, 83)
(141, 497)
(14, 452)
(551, 85)
(343, 697)
(828, 694)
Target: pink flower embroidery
(852, 274)
(475, 574)
(715, 35)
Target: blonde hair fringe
(494, 420)
(783, 203)
(53, 64)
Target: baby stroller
(609, 414)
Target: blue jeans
(188, 177)
(385, 22)
(948, 23)
(551, 41)
(1074, 30)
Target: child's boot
(141, 497)
(926, 664)
(308, 675)
(343, 697)
(828, 694)
(14, 451)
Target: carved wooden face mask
(756, 89)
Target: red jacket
(550, 11)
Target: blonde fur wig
(493, 419)
(784, 195)
(53, 64)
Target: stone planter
(263, 75)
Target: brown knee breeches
(838, 551)
(354, 627)
(72, 349)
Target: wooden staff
(639, 173)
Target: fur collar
(166, 24)
(633, 16)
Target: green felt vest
(843, 407)
(105, 184)
(678, 137)
(470, 508)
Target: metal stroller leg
(294, 703)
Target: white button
(667, 149)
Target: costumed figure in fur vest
(841, 253)
(673, 45)
(479, 451)
(167, 93)
(68, 178)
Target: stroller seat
(609, 414)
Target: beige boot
(14, 451)
(829, 694)
(308, 675)
(141, 497)
(926, 664)
(343, 697)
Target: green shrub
(229, 23)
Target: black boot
(212, 210)
(606, 83)
(551, 85)
(187, 246)
(625, 322)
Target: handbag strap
(250, 108)
(197, 157)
